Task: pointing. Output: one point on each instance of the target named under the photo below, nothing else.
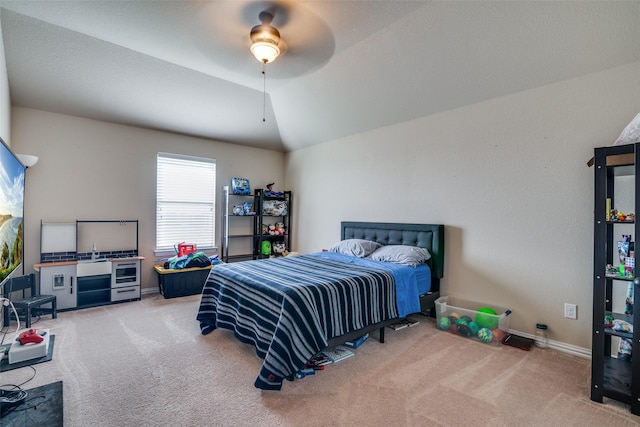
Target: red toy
(30, 336)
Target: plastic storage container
(472, 320)
(541, 335)
(179, 283)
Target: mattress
(289, 308)
(411, 282)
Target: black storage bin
(180, 283)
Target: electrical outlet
(570, 311)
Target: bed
(291, 308)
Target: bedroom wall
(508, 178)
(95, 170)
(5, 98)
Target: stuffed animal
(279, 248)
(279, 228)
(266, 248)
(272, 230)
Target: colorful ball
(498, 334)
(462, 321)
(454, 314)
(467, 319)
(453, 328)
(463, 330)
(453, 319)
(474, 327)
(485, 335)
(486, 318)
(444, 323)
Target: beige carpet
(146, 364)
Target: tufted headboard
(429, 236)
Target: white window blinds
(185, 201)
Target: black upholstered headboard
(429, 236)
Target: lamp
(265, 39)
(27, 159)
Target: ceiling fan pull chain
(264, 91)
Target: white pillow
(359, 248)
(401, 254)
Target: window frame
(189, 171)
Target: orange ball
(498, 334)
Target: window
(185, 201)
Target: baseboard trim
(570, 349)
(585, 353)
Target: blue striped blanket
(289, 307)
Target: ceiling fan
(306, 41)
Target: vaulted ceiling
(348, 66)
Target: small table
(181, 282)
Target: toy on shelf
(271, 193)
(266, 248)
(240, 186)
(621, 326)
(617, 216)
(278, 229)
(245, 208)
(279, 248)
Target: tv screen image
(11, 213)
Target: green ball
(462, 321)
(485, 335)
(444, 323)
(487, 318)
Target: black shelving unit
(242, 235)
(265, 217)
(612, 377)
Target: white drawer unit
(125, 293)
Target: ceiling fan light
(265, 32)
(265, 39)
(265, 51)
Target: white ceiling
(349, 66)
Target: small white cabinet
(60, 281)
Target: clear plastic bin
(472, 320)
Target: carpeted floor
(43, 407)
(146, 364)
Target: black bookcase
(611, 376)
(266, 215)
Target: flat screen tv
(12, 173)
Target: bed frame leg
(382, 335)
